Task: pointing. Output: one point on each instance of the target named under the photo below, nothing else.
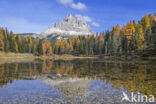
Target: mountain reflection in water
(83, 82)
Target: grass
(14, 55)
(26, 56)
(22, 56)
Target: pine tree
(11, 42)
(82, 41)
(56, 48)
(124, 44)
(40, 48)
(91, 45)
(23, 47)
(6, 46)
(134, 42)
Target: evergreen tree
(40, 48)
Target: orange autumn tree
(16, 47)
(101, 43)
(77, 45)
(116, 30)
(47, 48)
(1, 42)
(66, 46)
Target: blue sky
(37, 15)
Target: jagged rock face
(68, 26)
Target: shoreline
(17, 57)
(23, 55)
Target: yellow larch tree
(140, 37)
(101, 43)
(116, 30)
(128, 31)
(1, 42)
(47, 48)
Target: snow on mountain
(68, 26)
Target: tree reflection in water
(79, 77)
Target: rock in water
(68, 26)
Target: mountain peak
(68, 26)
(69, 17)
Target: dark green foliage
(40, 48)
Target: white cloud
(88, 19)
(79, 6)
(95, 24)
(19, 25)
(72, 4)
(65, 2)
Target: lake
(75, 81)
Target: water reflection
(85, 81)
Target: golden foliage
(116, 30)
(47, 48)
(16, 47)
(1, 42)
(128, 31)
(101, 42)
(140, 37)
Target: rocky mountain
(33, 35)
(68, 26)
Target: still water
(74, 82)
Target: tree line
(131, 37)
(10, 42)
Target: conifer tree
(40, 48)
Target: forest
(133, 37)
